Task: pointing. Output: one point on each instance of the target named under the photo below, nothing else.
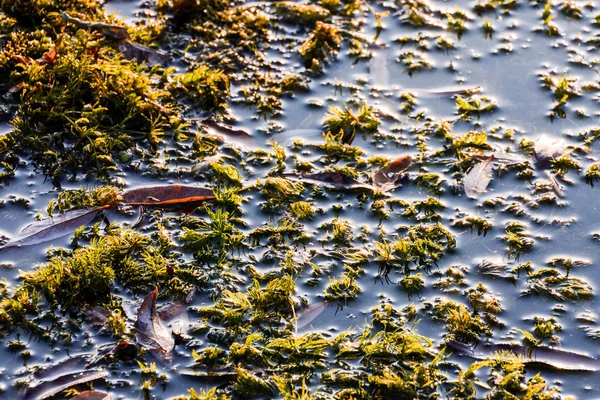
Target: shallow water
(511, 78)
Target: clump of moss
(592, 174)
(281, 189)
(83, 198)
(302, 210)
(307, 13)
(350, 122)
(205, 87)
(92, 103)
(324, 41)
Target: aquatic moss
(307, 13)
(302, 210)
(323, 42)
(93, 104)
(350, 122)
(205, 87)
(83, 198)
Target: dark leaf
(55, 227)
(386, 178)
(333, 180)
(478, 178)
(226, 129)
(151, 332)
(142, 54)
(115, 32)
(164, 196)
(540, 355)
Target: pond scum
(82, 109)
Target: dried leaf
(151, 332)
(541, 355)
(92, 395)
(170, 195)
(52, 380)
(115, 32)
(386, 178)
(225, 129)
(55, 227)
(142, 54)
(310, 313)
(334, 180)
(478, 178)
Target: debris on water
(54, 227)
(478, 178)
(385, 178)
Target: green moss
(205, 87)
(323, 42)
(307, 13)
(92, 103)
(302, 210)
(83, 198)
(351, 122)
(281, 190)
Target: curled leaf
(150, 331)
(386, 178)
(54, 227)
(478, 178)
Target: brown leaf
(142, 54)
(151, 333)
(115, 32)
(165, 196)
(386, 178)
(334, 180)
(478, 178)
(226, 129)
(55, 227)
(92, 395)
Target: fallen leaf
(225, 129)
(115, 32)
(334, 180)
(386, 178)
(151, 333)
(478, 178)
(310, 313)
(540, 355)
(54, 379)
(170, 195)
(92, 395)
(142, 54)
(508, 158)
(54, 227)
